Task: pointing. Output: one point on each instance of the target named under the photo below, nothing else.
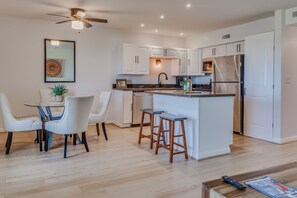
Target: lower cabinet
(120, 109)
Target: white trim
(2, 130)
(285, 140)
(121, 125)
(205, 155)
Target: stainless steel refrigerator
(228, 77)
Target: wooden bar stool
(172, 119)
(151, 113)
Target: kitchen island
(209, 125)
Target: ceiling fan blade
(87, 25)
(63, 21)
(59, 15)
(96, 20)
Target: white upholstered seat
(73, 121)
(100, 115)
(12, 124)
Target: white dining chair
(12, 124)
(73, 121)
(99, 116)
(46, 98)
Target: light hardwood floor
(122, 168)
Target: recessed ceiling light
(181, 34)
(188, 5)
(156, 31)
(142, 25)
(162, 17)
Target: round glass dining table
(44, 110)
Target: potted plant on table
(58, 92)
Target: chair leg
(9, 140)
(152, 131)
(104, 130)
(184, 139)
(84, 139)
(74, 139)
(98, 130)
(37, 137)
(40, 138)
(159, 135)
(46, 134)
(141, 128)
(65, 146)
(171, 140)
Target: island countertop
(192, 94)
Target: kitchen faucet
(159, 82)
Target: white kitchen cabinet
(135, 59)
(120, 108)
(235, 48)
(170, 53)
(215, 51)
(183, 62)
(195, 62)
(156, 52)
(159, 52)
(142, 66)
(189, 63)
(180, 66)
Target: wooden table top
(286, 174)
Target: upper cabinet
(189, 63)
(229, 49)
(235, 48)
(195, 62)
(135, 60)
(158, 52)
(216, 51)
(180, 66)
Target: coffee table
(286, 174)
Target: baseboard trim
(285, 140)
(216, 153)
(119, 124)
(2, 130)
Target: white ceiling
(203, 16)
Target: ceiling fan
(78, 19)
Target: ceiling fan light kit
(77, 25)
(78, 20)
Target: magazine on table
(272, 188)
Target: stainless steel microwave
(207, 66)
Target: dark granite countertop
(152, 87)
(192, 94)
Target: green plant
(58, 90)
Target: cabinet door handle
(179, 61)
(135, 59)
(239, 47)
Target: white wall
(289, 83)
(238, 33)
(22, 56)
